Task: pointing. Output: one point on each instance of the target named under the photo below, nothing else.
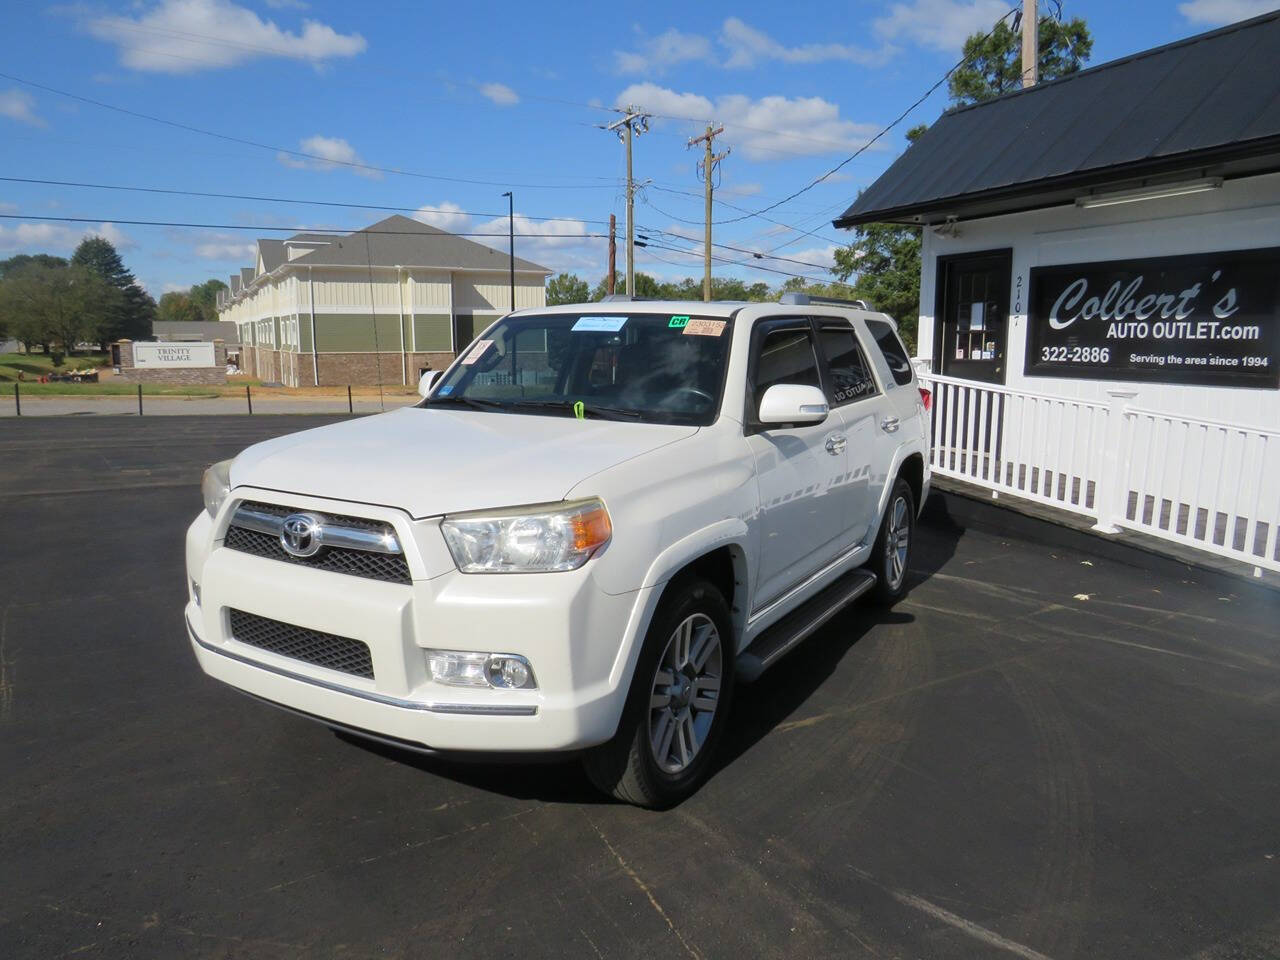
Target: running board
(777, 641)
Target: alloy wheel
(686, 692)
(897, 543)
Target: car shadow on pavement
(757, 709)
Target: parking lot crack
(644, 888)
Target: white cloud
(225, 246)
(19, 105)
(59, 237)
(183, 36)
(741, 46)
(658, 54)
(744, 189)
(288, 5)
(1216, 12)
(446, 216)
(6, 207)
(748, 46)
(327, 153)
(762, 128)
(500, 94)
(939, 24)
(824, 256)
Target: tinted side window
(894, 352)
(850, 374)
(786, 356)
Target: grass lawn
(36, 365)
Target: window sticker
(477, 351)
(678, 322)
(704, 328)
(599, 324)
(444, 391)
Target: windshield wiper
(465, 401)
(588, 409)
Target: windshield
(655, 368)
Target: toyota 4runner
(596, 520)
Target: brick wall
(177, 375)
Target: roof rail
(801, 299)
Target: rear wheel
(678, 703)
(891, 555)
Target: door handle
(889, 424)
(835, 445)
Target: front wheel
(892, 553)
(678, 703)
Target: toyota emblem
(300, 534)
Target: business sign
(1210, 319)
(167, 355)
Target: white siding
(1243, 214)
(492, 291)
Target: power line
(817, 180)
(258, 227)
(732, 206)
(755, 254)
(318, 203)
(737, 263)
(354, 164)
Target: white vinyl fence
(1201, 483)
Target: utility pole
(631, 124)
(1030, 44)
(511, 244)
(613, 256)
(708, 166)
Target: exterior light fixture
(1148, 193)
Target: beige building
(377, 305)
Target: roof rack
(802, 299)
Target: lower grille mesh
(312, 646)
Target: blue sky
(507, 94)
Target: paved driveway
(1039, 753)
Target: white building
(374, 306)
(1100, 290)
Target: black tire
(890, 564)
(628, 766)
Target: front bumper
(579, 639)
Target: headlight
(536, 539)
(215, 486)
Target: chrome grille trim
(335, 532)
(354, 546)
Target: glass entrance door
(973, 316)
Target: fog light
(195, 592)
(512, 672)
(461, 668)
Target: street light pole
(511, 244)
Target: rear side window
(786, 356)
(895, 354)
(850, 374)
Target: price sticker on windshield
(599, 324)
(477, 351)
(704, 328)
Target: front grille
(311, 646)
(389, 567)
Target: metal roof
(401, 241)
(1210, 103)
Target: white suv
(599, 516)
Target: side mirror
(427, 381)
(794, 403)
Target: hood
(432, 461)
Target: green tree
(993, 62)
(567, 288)
(66, 304)
(205, 297)
(22, 259)
(133, 311)
(178, 306)
(884, 261)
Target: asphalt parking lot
(1040, 753)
